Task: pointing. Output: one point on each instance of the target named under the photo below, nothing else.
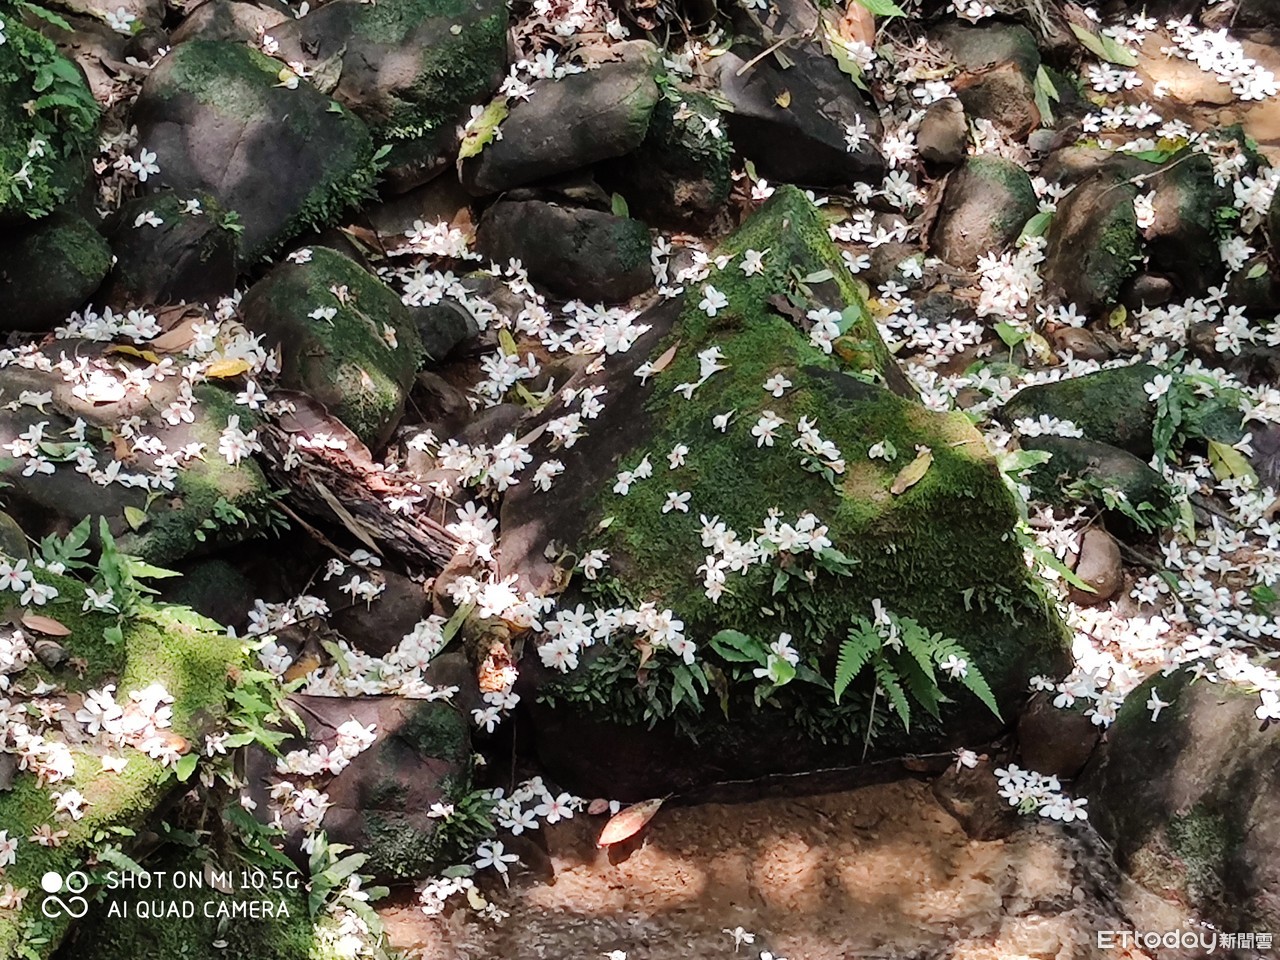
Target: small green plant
(906, 660)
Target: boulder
(1191, 801)
(1182, 244)
(43, 150)
(679, 177)
(946, 576)
(380, 802)
(1093, 243)
(190, 257)
(220, 121)
(1055, 741)
(407, 68)
(48, 268)
(571, 123)
(357, 355)
(211, 503)
(574, 252)
(803, 142)
(943, 134)
(146, 13)
(1110, 406)
(998, 64)
(1099, 565)
(986, 204)
(243, 20)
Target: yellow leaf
(913, 472)
(664, 361)
(629, 822)
(226, 368)
(135, 517)
(507, 343)
(783, 99)
(1227, 463)
(128, 351)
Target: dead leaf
(597, 807)
(913, 472)
(177, 339)
(226, 368)
(301, 667)
(46, 625)
(629, 822)
(664, 361)
(785, 307)
(783, 99)
(858, 25)
(128, 351)
(344, 516)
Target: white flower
(740, 936)
(752, 262)
(777, 384)
(491, 853)
(1158, 386)
(147, 218)
(122, 21)
(677, 455)
(8, 849)
(1155, 705)
(765, 429)
(712, 300)
(955, 666)
(676, 501)
(145, 165)
(721, 421)
(1270, 708)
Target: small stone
(986, 204)
(1147, 290)
(1080, 343)
(51, 653)
(1055, 741)
(943, 133)
(1100, 566)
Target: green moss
(1112, 258)
(437, 730)
(233, 77)
(632, 244)
(1109, 406)
(1012, 182)
(964, 577)
(399, 848)
(1203, 841)
(347, 363)
(164, 645)
(63, 115)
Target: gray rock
(998, 67)
(190, 257)
(219, 121)
(242, 20)
(1147, 290)
(943, 133)
(1055, 741)
(1081, 469)
(49, 268)
(977, 48)
(1099, 565)
(571, 123)
(987, 203)
(1182, 244)
(443, 326)
(571, 251)
(803, 142)
(1191, 802)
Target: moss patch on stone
(166, 645)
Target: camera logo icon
(54, 884)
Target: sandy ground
(880, 872)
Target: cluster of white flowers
(1030, 791)
(351, 739)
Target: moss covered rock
(1191, 801)
(48, 269)
(220, 120)
(408, 68)
(211, 503)
(357, 355)
(963, 576)
(987, 203)
(190, 256)
(1093, 242)
(1182, 244)
(166, 645)
(42, 147)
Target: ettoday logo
(54, 884)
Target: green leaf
(618, 204)
(186, 766)
(134, 517)
(889, 682)
(1037, 225)
(1104, 47)
(1228, 463)
(1045, 92)
(882, 8)
(484, 129)
(1010, 334)
(738, 647)
(854, 654)
(1257, 270)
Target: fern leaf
(921, 685)
(919, 644)
(888, 680)
(854, 654)
(973, 680)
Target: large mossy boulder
(1182, 244)
(212, 501)
(170, 646)
(1093, 242)
(356, 354)
(571, 123)
(48, 123)
(48, 268)
(1190, 801)
(221, 121)
(939, 551)
(408, 68)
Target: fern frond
(920, 645)
(887, 677)
(973, 680)
(921, 685)
(853, 656)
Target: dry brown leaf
(226, 368)
(597, 807)
(301, 667)
(664, 361)
(344, 516)
(46, 625)
(913, 472)
(179, 338)
(629, 822)
(858, 25)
